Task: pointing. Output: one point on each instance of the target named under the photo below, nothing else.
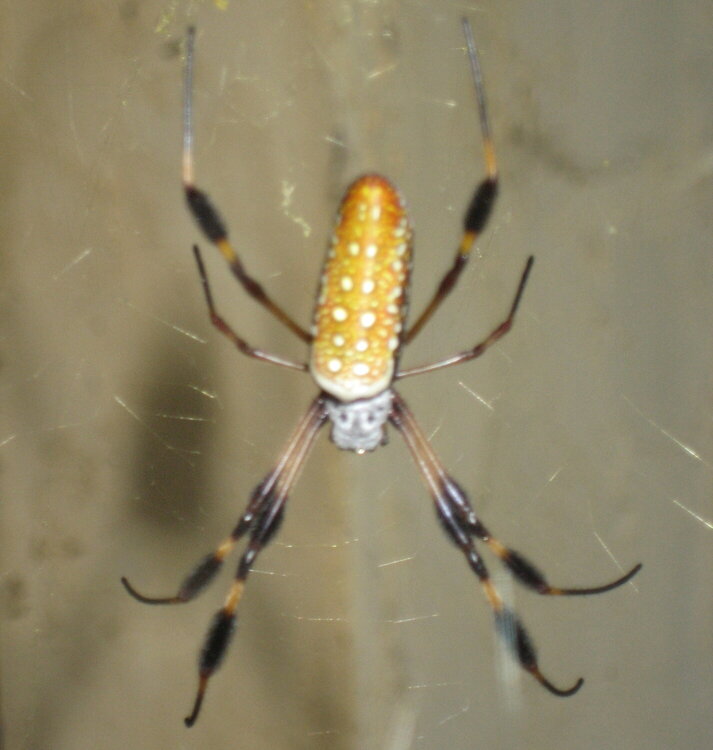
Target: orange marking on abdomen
(360, 311)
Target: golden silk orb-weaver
(356, 337)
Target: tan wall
(131, 434)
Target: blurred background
(131, 433)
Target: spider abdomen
(361, 303)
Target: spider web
(132, 435)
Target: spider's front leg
(453, 498)
(263, 528)
(206, 570)
(461, 524)
(260, 522)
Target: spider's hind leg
(206, 214)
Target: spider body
(361, 302)
(359, 426)
(360, 312)
(356, 337)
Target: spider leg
(260, 521)
(208, 567)
(523, 570)
(207, 216)
(219, 322)
(526, 573)
(497, 333)
(458, 518)
(507, 623)
(481, 204)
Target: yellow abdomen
(361, 304)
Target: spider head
(359, 426)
